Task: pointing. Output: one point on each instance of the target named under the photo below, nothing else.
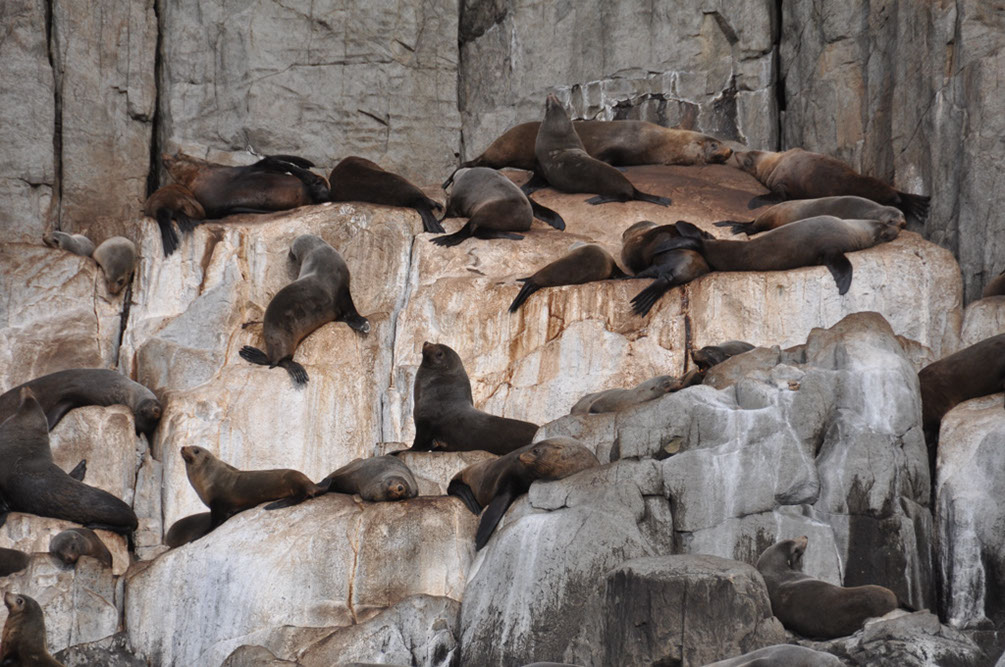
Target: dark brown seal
(358, 179)
(495, 484)
(444, 411)
(711, 355)
(585, 264)
(319, 295)
(78, 244)
(644, 253)
(69, 545)
(377, 479)
(815, 608)
(189, 529)
(846, 208)
(613, 400)
(176, 203)
(23, 640)
(117, 258)
(564, 163)
(996, 287)
(62, 391)
(12, 560)
(799, 174)
(30, 482)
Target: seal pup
(585, 264)
(69, 545)
(444, 411)
(117, 258)
(377, 479)
(566, 166)
(78, 244)
(189, 529)
(225, 490)
(62, 391)
(996, 287)
(711, 355)
(846, 208)
(30, 482)
(12, 560)
(799, 174)
(357, 179)
(23, 639)
(814, 608)
(319, 295)
(781, 655)
(643, 253)
(176, 203)
(613, 400)
(496, 484)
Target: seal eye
(20, 601)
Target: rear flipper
(525, 291)
(185, 223)
(736, 226)
(545, 214)
(450, 178)
(79, 471)
(429, 221)
(536, 182)
(463, 491)
(455, 238)
(295, 370)
(604, 199)
(254, 355)
(316, 185)
(357, 322)
(914, 206)
(653, 199)
(840, 268)
(769, 199)
(275, 161)
(493, 514)
(647, 298)
(169, 238)
(286, 502)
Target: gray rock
(112, 651)
(781, 654)
(254, 656)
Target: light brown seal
(78, 244)
(176, 203)
(12, 560)
(813, 608)
(72, 543)
(359, 179)
(377, 479)
(644, 253)
(613, 400)
(846, 208)
(23, 641)
(188, 529)
(996, 287)
(711, 355)
(117, 258)
(586, 264)
(319, 295)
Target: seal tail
(296, 371)
(429, 221)
(526, 290)
(914, 206)
(653, 199)
(169, 238)
(254, 355)
(736, 226)
(647, 298)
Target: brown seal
(358, 179)
(225, 490)
(613, 400)
(799, 174)
(643, 253)
(377, 479)
(711, 355)
(566, 166)
(12, 560)
(189, 529)
(996, 287)
(23, 639)
(117, 258)
(494, 205)
(30, 482)
(846, 208)
(444, 411)
(495, 484)
(69, 545)
(78, 244)
(176, 203)
(62, 391)
(586, 264)
(815, 608)
(319, 295)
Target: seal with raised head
(62, 391)
(78, 244)
(117, 258)
(711, 355)
(225, 490)
(69, 545)
(188, 529)
(358, 179)
(813, 608)
(643, 253)
(444, 411)
(799, 174)
(319, 295)
(30, 482)
(377, 479)
(495, 484)
(585, 264)
(23, 641)
(847, 208)
(565, 164)
(176, 203)
(12, 560)
(996, 287)
(613, 400)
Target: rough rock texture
(982, 319)
(109, 652)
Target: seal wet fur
(376, 479)
(645, 253)
(586, 264)
(359, 179)
(846, 208)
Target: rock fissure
(56, 207)
(153, 174)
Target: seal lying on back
(78, 244)
(188, 529)
(30, 482)
(379, 478)
(585, 264)
(815, 608)
(23, 640)
(117, 258)
(712, 355)
(996, 287)
(12, 560)
(358, 179)
(444, 411)
(225, 490)
(846, 208)
(62, 391)
(799, 174)
(643, 252)
(613, 400)
(495, 484)
(319, 295)
(69, 545)
(781, 655)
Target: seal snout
(552, 101)
(26, 393)
(10, 601)
(188, 453)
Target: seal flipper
(914, 206)
(647, 298)
(536, 182)
(494, 234)
(79, 471)
(525, 291)
(769, 199)
(292, 159)
(296, 371)
(653, 199)
(356, 322)
(429, 221)
(185, 223)
(453, 239)
(545, 214)
(423, 441)
(736, 226)
(493, 514)
(254, 355)
(169, 238)
(57, 412)
(840, 268)
(463, 491)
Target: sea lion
(117, 258)
(846, 208)
(996, 287)
(12, 560)
(495, 484)
(799, 174)
(822, 240)
(566, 166)
(585, 264)
(781, 655)
(358, 179)
(815, 608)
(494, 205)
(225, 490)
(617, 142)
(69, 545)
(189, 529)
(78, 244)
(30, 482)
(377, 479)
(643, 253)
(614, 400)
(445, 413)
(173, 202)
(23, 640)
(62, 391)
(319, 295)
(711, 355)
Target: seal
(78, 244)
(566, 166)
(495, 484)
(799, 174)
(585, 264)
(117, 258)
(30, 482)
(319, 295)
(189, 529)
(377, 479)
(69, 545)
(225, 490)
(711, 355)
(813, 608)
(445, 413)
(996, 287)
(176, 203)
(358, 179)
(62, 391)
(613, 400)
(23, 639)
(789, 655)
(643, 253)
(846, 208)
(12, 560)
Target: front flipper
(545, 214)
(525, 291)
(463, 491)
(652, 199)
(493, 234)
(604, 199)
(536, 182)
(647, 298)
(453, 239)
(840, 268)
(79, 471)
(169, 238)
(296, 371)
(429, 221)
(493, 514)
(57, 412)
(285, 502)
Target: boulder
(109, 652)
(781, 654)
(31, 534)
(982, 319)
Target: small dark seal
(23, 639)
